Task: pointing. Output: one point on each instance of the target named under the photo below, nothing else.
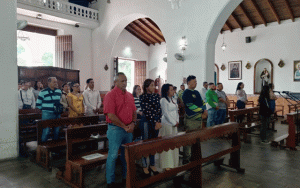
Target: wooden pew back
(30, 111)
(134, 151)
(63, 122)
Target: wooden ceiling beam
(247, 15)
(153, 23)
(151, 29)
(274, 11)
(228, 25)
(290, 10)
(237, 21)
(141, 34)
(130, 31)
(145, 31)
(259, 12)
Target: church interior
(254, 42)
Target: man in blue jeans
(45, 102)
(223, 104)
(120, 111)
(212, 105)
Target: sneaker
(95, 136)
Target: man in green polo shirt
(212, 105)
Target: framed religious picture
(234, 70)
(296, 71)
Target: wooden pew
(134, 151)
(291, 137)
(252, 120)
(76, 166)
(293, 107)
(250, 103)
(27, 128)
(43, 155)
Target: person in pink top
(120, 112)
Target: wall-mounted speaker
(248, 39)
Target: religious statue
(265, 77)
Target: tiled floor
(265, 167)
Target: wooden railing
(134, 151)
(64, 8)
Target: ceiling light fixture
(38, 16)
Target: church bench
(45, 150)
(293, 107)
(27, 130)
(292, 138)
(252, 120)
(279, 108)
(135, 151)
(76, 166)
(30, 111)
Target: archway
(258, 68)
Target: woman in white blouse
(241, 99)
(169, 121)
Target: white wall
(199, 20)
(156, 64)
(9, 81)
(81, 45)
(274, 42)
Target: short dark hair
(174, 87)
(204, 83)
(190, 77)
(211, 83)
(182, 85)
(65, 84)
(219, 83)
(88, 80)
(146, 84)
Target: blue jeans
(46, 131)
(221, 115)
(116, 137)
(212, 117)
(148, 133)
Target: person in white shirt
(92, 99)
(26, 98)
(203, 91)
(170, 122)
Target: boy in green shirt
(212, 105)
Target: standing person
(264, 112)
(92, 99)
(137, 91)
(273, 98)
(223, 104)
(175, 96)
(120, 113)
(75, 101)
(212, 105)
(203, 91)
(47, 101)
(195, 112)
(38, 86)
(241, 99)
(150, 103)
(26, 98)
(180, 92)
(64, 101)
(170, 122)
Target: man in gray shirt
(203, 91)
(223, 103)
(26, 97)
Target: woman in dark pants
(241, 99)
(150, 104)
(264, 112)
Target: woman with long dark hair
(38, 86)
(170, 122)
(137, 91)
(150, 104)
(241, 99)
(264, 112)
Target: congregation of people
(157, 114)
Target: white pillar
(9, 81)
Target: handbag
(58, 107)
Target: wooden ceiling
(248, 13)
(256, 12)
(146, 30)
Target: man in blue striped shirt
(45, 102)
